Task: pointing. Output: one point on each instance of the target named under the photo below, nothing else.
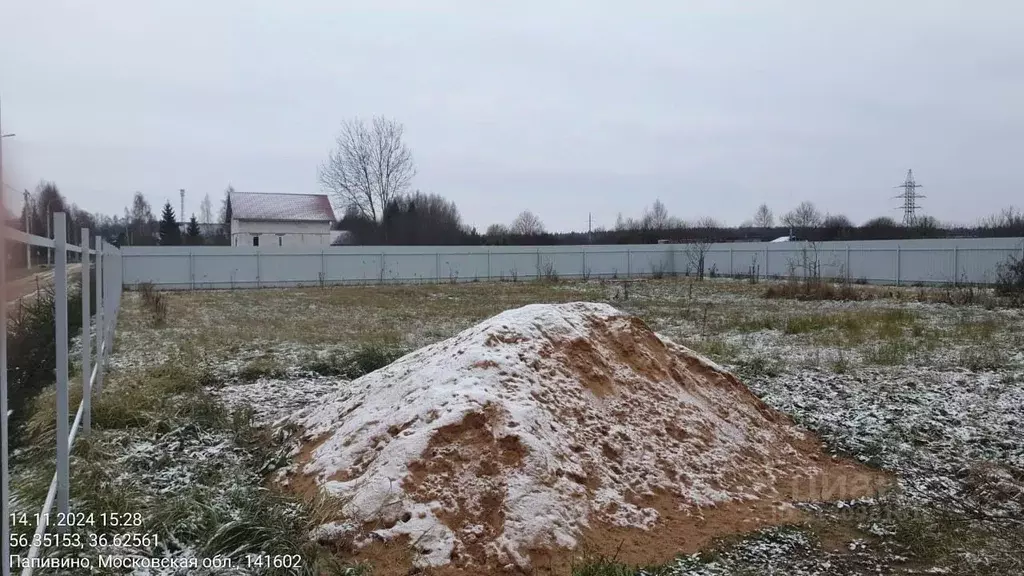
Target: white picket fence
(108, 269)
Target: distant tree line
(370, 171)
(419, 218)
(136, 227)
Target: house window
(255, 241)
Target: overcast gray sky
(562, 107)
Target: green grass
(363, 360)
(225, 509)
(856, 326)
(983, 358)
(714, 347)
(759, 366)
(265, 366)
(967, 328)
(758, 322)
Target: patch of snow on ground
(274, 399)
(932, 427)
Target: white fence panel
(277, 269)
(354, 268)
(937, 261)
(511, 265)
(608, 262)
(562, 264)
(979, 265)
(464, 266)
(926, 266)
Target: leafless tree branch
(764, 218)
(369, 166)
(527, 224)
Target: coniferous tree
(170, 235)
(192, 235)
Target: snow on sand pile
(544, 426)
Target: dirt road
(28, 286)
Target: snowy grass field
(926, 384)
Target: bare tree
(370, 166)
(1009, 217)
(627, 223)
(836, 221)
(764, 218)
(696, 252)
(805, 215)
(141, 220)
(206, 210)
(656, 217)
(496, 231)
(527, 224)
(707, 223)
(880, 222)
(923, 223)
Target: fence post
(383, 268)
(86, 337)
(629, 263)
(766, 262)
(191, 270)
(897, 264)
(488, 263)
(956, 265)
(100, 306)
(848, 276)
(584, 270)
(60, 283)
(323, 267)
(731, 271)
(437, 266)
(257, 267)
(538, 262)
(5, 489)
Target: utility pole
(49, 235)
(2, 136)
(28, 230)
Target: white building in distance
(266, 219)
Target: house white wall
(278, 233)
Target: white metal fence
(108, 268)
(940, 261)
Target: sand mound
(550, 426)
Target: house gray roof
(289, 207)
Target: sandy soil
(548, 428)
